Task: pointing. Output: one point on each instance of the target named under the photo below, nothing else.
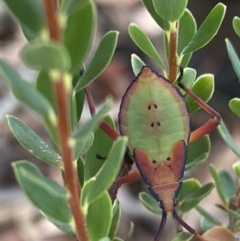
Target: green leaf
(224, 133)
(78, 35)
(233, 57)
(29, 13)
(171, 10)
(116, 215)
(137, 64)
(90, 125)
(189, 186)
(159, 20)
(109, 171)
(25, 92)
(187, 29)
(236, 25)
(194, 198)
(144, 43)
(188, 78)
(98, 152)
(203, 87)
(99, 217)
(236, 168)
(45, 87)
(83, 144)
(183, 236)
(207, 30)
(100, 61)
(150, 203)
(218, 183)
(32, 142)
(227, 184)
(46, 56)
(234, 105)
(117, 239)
(208, 216)
(46, 194)
(197, 152)
(65, 227)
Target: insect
(154, 116)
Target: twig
(62, 94)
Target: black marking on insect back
(149, 107)
(158, 123)
(154, 161)
(152, 124)
(155, 105)
(169, 158)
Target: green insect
(154, 116)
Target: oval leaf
(100, 61)
(150, 203)
(46, 56)
(78, 35)
(197, 152)
(203, 87)
(218, 184)
(109, 171)
(188, 187)
(207, 30)
(227, 184)
(99, 217)
(236, 25)
(224, 133)
(233, 57)
(187, 29)
(234, 105)
(144, 43)
(47, 195)
(159, 20)
(29, 13)
(116, 215)
(25, 92)
(137, 64)
(171, 10)
(33, 142)
(193, 199)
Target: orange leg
(210, 124)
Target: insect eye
(152, 124)
(168, 159)
(154, 161)
(158, 123)
(155, 106)
(149, 107)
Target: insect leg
(161, 226)
(186, 226)
(210, 124)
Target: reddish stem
(63, 126)
(173, 67)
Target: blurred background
(19, 220)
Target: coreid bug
(154, 116)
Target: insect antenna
(161, 226)
(186, 226)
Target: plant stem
(62, 93)
(173, 42)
